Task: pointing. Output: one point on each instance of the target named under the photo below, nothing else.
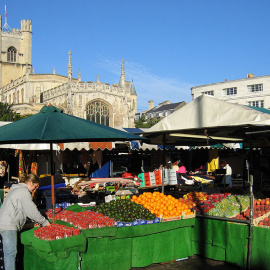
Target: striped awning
(87, 146)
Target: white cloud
(149, 86)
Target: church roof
(132, 89)
(165, 107)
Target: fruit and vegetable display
(162, 205)
(265, 222)
(260, 209)
(150, 206)
(229, 206)
(124, 210)
(82, 220)
(194, 198)
(202, 202)
(55, 231)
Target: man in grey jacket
(17, 206)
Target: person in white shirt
(227, 179)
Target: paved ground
(192, 263)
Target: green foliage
(7, 114)
(146, 123)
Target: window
(256, 103)
(230, 91)
(11, 54)
(255, 88)
(98, 112)
(209, 93)
(22, 95)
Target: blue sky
(168, 46)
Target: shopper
(17, 206)
(182, 168)
(182, 171)
(227, 179)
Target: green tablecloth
(221, 240)
(137, 246)
(111, 248)
(115, 248)
(51, 251)
(260, 248)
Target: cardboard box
(171, 218)
(166, 177)
(183, 216)
(123, 197)
(172, 177)
(152, 178)
(141, 177)
(147, 181)
(158, 178)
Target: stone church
(112, 105)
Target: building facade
(160, 111)
(112, 105)
(251, 91)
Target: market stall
(149, 250)
(138, 245)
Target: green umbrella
(51, 125)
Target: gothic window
(98, 112)
(13, 98)
(18, 97)
(11, 54)
(41, 97)
(22, 94)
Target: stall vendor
(17, 206)
(227, 179)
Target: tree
(146, 123)
(7, 114)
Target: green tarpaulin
(122, 248)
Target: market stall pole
(163, 160)
(52, 182)
(250, 223)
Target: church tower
(16, 51)
(123, 76)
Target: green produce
(230, 206)
(124, 210)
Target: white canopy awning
(207, 120)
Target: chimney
(250, 75)
(166, 102)
(150, 104)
